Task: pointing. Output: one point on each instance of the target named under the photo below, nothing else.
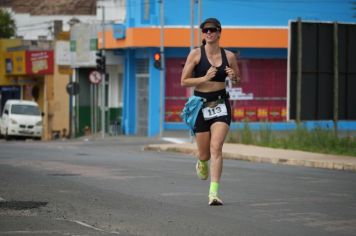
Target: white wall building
(31, 27)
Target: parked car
(21, 118)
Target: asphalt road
(112, 187)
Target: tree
(7, 24)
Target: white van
(21, 118)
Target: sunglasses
(210, 29)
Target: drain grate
(21, 205)
(63, 174)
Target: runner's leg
(219, 131)
(203, 142)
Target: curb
(305, 159)
(293, 162)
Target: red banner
(39, 62)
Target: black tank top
(203, 66)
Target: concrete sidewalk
(268, 155)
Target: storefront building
(87, 105)
(152, 102)
(30, 73)
(7, 89)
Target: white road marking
(92, 227)
(86, 225)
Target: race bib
(213, 112)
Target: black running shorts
(202, 125)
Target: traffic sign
(72, 88)
(95, 77)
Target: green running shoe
(202, 169)
(214, 201)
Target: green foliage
(265, 136)
(317, 140)
(7, 24)
(246, 135)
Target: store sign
(83, 45)
(39, 62)
(238, 94)
(63, 53)
(15, 63)
(9, 65)
(118, 31)
(146, 11)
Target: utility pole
(72, 98)
(199, 21)
(103, 76)
(192, 2)
(336, 78)
(192, 24)
(163, 68)
(299, 71)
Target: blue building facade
(256, 30)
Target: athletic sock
(214, 189)
(203, 162)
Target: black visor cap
(214, 21)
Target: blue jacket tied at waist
(191, 110)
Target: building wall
(239, 12)
(129, 94)
(115, 10)
(260, 43)
(4, 44)
(58, 103)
